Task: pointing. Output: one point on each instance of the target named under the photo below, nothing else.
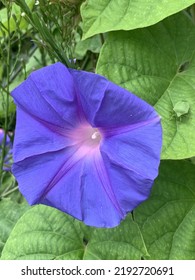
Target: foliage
(55, 235)
(107, 15)
(157, 64)
(167, 219)
(145, 47)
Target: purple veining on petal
(55, 128)
(85, 141)
(35, 138)
(107, 105)
(103, 176)
(133, 149)
(108, 132)
(66, 167)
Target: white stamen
(95, 135)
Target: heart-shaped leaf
(10, 212)
(158, 64)
(121, 243)
(108, 15)
(167, 218)
(46, 233)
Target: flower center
(87, 137)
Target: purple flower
(84, 145)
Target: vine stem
(3, 147)
(9, 192)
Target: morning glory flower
(84, 145)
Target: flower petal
(33, 137)
(129, 187)
(73, 185)
(132, 163)
(81, 193)
(103, 100)
(46, 93)
(35, 174)
(137, 150)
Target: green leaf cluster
(55, 235)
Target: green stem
(47, 37)
(9, 192)
(3, 147)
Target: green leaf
(46, 233)
(167, 218)
(108, 15)
(121, 243)
(93, 44)
(158, 64)
(10, 212)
